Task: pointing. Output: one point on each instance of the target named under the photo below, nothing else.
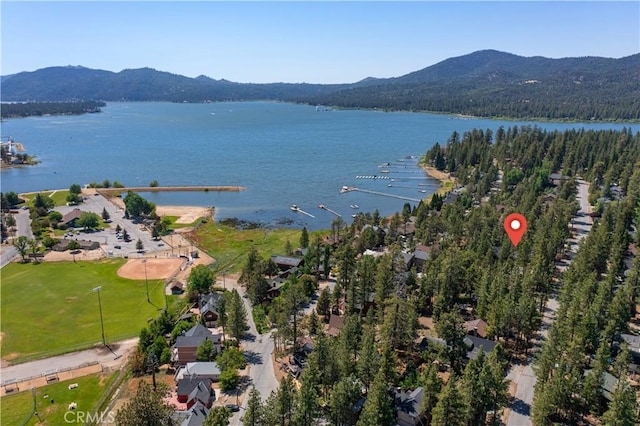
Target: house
(408, 407)
(202, 394)
(633, 346)
(421, 254)
(335, 325)
(209, 308)
(63, 245)
(70, 218)
(476, 327)
(275, 286)
(186, 385)
(475, 344)
(557, 178)
(199, 371)
(285, 263)
(194, 416)
(186, 346)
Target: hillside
(485, 83)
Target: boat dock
(372, 177)
(299, 210)
(383, 194)
(323, 207)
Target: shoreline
(447, 183)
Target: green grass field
(15, 409)
(50, 308)
(230, 247)
(59, 197)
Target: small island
(29, 109)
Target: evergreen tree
(218, 416)
(146, 408)
(623, 409)
(254, 416)
(450, 409)
(379, 408)
(346, 393)
(237, 316)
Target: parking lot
(112, 242)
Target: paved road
(522, 376)
(108, 358)
(23, 227)
(258, 348)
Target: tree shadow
(253, 357)
(520, 407)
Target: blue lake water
(283, 153)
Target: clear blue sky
(316, 42)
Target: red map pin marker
(515, 224)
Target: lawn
(58, 197)
(50, 308)
(15, 409)
(230, 246)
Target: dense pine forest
(473, 272)
(28, 109)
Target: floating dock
(299, 210)
(383, 194)
(372, 177)
(324, 207)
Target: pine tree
(307, 408)
(378, 409)
(450, 410)
(218, 416)
(254, 416)
(237, 316)
(147, 408)
(623, 409)
(344, 396)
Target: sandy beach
(447, 182)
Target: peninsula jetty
(203, 188)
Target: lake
(283, 153)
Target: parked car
(233, 407)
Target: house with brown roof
(185, 349)
(476, 327)
(335, 325)
(70, 218)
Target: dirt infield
(156, 268)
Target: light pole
(146, 281)
(97, 290)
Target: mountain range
(485, 83)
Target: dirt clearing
(155, 268)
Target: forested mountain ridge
(491, 83)
(485, 83)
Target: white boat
(294, 207)
(355, 206)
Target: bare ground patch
(155, 268)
